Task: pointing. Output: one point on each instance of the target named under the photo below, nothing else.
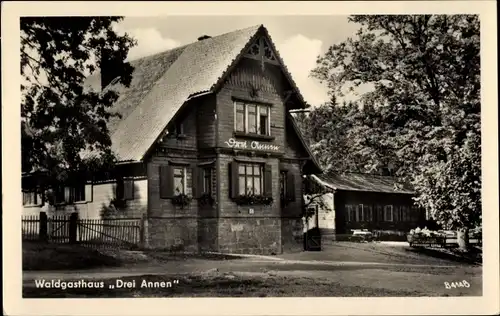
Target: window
(404, 214)
(125, 189)
(388, 209)
(283, 190)
(179, 180)
(207, 180)
(250, 179)
(360, 213)
(177, 129)
(66, 194)
(252, 119)
(30, 198)
(367, 213)
(351, 213)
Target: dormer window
(261, 50)
(177, 130)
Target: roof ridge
(191, 43)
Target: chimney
(204, 37)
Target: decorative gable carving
(261, 50)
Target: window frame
(245, 112)
(352, 212)
(183, 177)
(207, 187)
(34, 194)
(388, 209)
(283, 184)
(360, 213)
(68, 193)
(253, 176)
(121, 184)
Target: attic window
(261, 50)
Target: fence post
(73, 227)
(42, 229)
(144, 243)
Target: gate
(58, 229)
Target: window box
(253, 200)
(181, 200)
(254, 136)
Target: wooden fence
(107, 233)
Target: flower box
(181, 200)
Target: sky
(298, 39)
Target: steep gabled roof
(363, 183)
(163, 83)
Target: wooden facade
(226, 173)
(360, 201)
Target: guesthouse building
(207, 149)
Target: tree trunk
(463, 239)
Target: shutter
(128, 189)
(195, 182)
(290, 186)
(119, 189)
(268, 180)
(166, 182)
(233, 179)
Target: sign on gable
(233, 143)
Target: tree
(61, 122)
(425, 74)
(344, 137)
